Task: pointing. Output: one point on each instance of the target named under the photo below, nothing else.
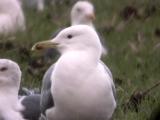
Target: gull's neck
(73, 61)
(9, 104)
(79, 23)
(82, 55)
(9, 98)
(9, 92)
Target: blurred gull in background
(83, 12)
(11, 17)
(79, 74)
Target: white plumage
(81, 87)
(10, 77)
(11, 17)
(82, 13)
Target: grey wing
(46, 96)
(32, 107)
(110, 74)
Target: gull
(10, 77)
(11, 17)
(81, 87)
(83, 13)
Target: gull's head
(10, 74)
(74, 38)
(82, 13)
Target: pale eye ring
(69, 36)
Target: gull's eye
(69, 36)
(3, 69)
(79, 10)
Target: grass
(133, 56)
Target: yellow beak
(44, 45)
(91, 16)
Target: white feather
(10, 77)
(11, 17)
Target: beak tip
(91, 16)
(43, 45)
(33, 48)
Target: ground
(131, 29)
